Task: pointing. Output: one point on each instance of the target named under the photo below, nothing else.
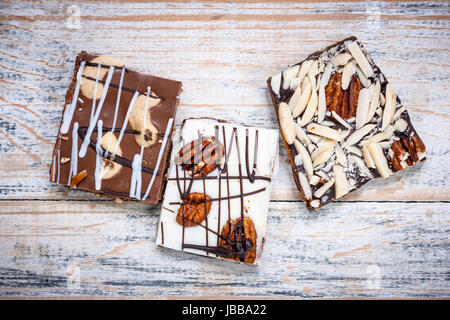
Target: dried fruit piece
(239, 240)
(76, 179)
(194, 209)
(287, 124)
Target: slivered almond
(326, 75)
(275, 83)
(360, 164)
(367, 157)
(356, 136)
(314, 180)
(321, 107)
(315, 139)
(382, 100)
(288, 74)
(303, 100)
(307, 163)
(305, 185)
(314, 69)
(315, 204)
(341, 186)
(340, 156)
(322, 158)
(340, 59)
(313, 82)
(323, 131)
(389, 108)
(340, 120)
(362, 78)
(311, 109)
(354, 150)
(374, 100)
(363, 106)
(301, 135)
(323, 175)
(379, 159)
(286, 123)
(400, 125)
(294, 84)
(294, 99)
(321, 191)
(383, 135)
(304, 69)
(347, 74)
(398, 113)
(360, 58)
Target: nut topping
(76, 179)
(287, 124)
(240, 239)
(195, 207)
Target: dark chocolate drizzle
(242, 245)
(117, 159)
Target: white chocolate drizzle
(98, 157)
(68, 114)
(74, 157)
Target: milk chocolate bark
(342, 123)
(217, 195)
(114, 137)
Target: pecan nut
(200, 157)
(239, 240)
(406, 152)
(194, 209)
(343, 102)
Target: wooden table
(390, 239)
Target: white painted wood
(223, 53)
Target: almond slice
(321, 191)
(322, 158)
(325, 146)
(356, 136)
(305, 185)
(294, 84)
(323, 131)
(367, 157)
(354, 150)
(294, 99)
(398, 113)
(288, 74)
(321, 107)
(362, 78)
(286, 123)
(304, 69)
(340, 156)
(382, 100)
(303, 100)
(340, 120)
(363, 106)
(275, 83)
(389, 108)
(307, 163)
(347, 74)
(374, 100)
(301, 135)
(383, 135)
(340, 59)
(376, 152)
(64, 160)
(360, 164)
(311, 109)
(400, 125)
(323, 175)
(341, 186)
(314, 69)
(314, 180)
(360, 58)
(326, 75)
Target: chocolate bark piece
(116, 129)
(222, 212)
(355, 131)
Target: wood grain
(223, 52)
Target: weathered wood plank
(101, 248)
(223, 52)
